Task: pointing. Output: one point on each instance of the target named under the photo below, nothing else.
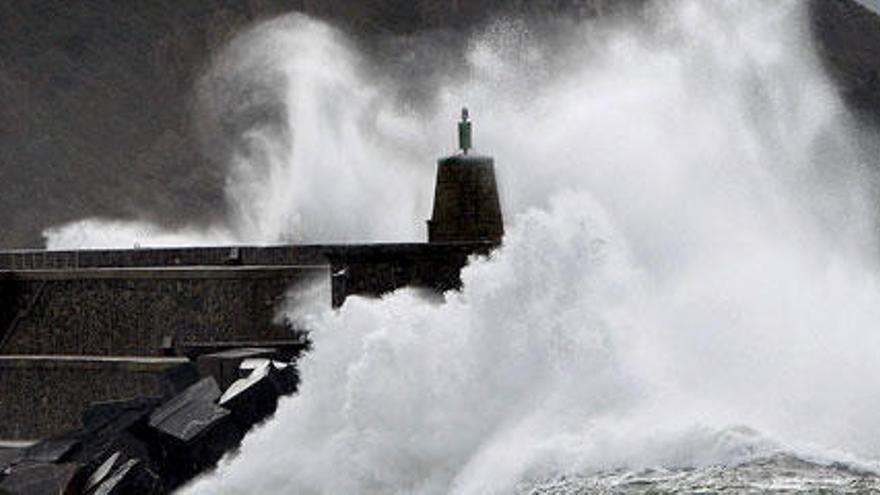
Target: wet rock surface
(151, 445)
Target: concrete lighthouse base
(466, 204)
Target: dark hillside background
(96, 95)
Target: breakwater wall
(146, 311)
(78, 327)
(358, 269)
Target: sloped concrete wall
(130, 312)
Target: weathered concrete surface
(358, 269)
(137, 312)
(290, 255)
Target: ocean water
(774, 474)
(687, 298)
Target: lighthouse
(466, 204)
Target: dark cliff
(96, 96)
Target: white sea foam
(689, 276)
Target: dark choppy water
(780, 473)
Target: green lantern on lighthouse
(464, 132)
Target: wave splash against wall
(689, 277)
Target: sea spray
(689, 278)
(314, 151)
(383, 415)
(326, 166)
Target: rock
(225, 366)
(152, 445)
(287, 378)
(8, 458)
(53, 449)
(115, 426)
(190, 433)
(117, 414)
(191, 413)
(253, 398)
(285, 374)
(104, 470)
(129, 477)
(38, 478)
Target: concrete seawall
(78, 327)
(139, 311)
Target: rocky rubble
(151, 445)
